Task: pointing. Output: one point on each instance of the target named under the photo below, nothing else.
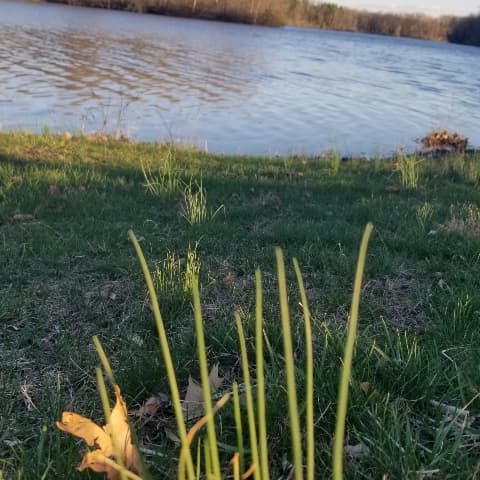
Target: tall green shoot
(296, 438)
(342, 399)
(167, 357)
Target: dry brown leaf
(115, 434)
(151, 406)
(193, 405)
(393, 189)
(23, 217)
(214, 379)
(119, 431)
(444, 285)
(365, 386)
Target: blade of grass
(249, 399)
(207, 394)
(310, 435)
(235, 462)
(167, 357)
(342, 398)
(109, 372)
(107, 412)
(289, 369)
(196, 428)
(208, 461)
(199, 459)
(238, 426)
(262, 425)
(103, 359)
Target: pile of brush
(442, 141)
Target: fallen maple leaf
(214, 379)
(115, 437)
(193, 405)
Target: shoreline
(96, 138)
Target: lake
(229, 88)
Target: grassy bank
(68, 271)
(330, 16)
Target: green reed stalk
(348, 358)
(238, 426)
(249, 399)
(262, 424)
(107, 412)
(207, 395)
(289, 369)
(310, 434)
(103, 359)
(236, 466)
(208, 462)
(167, 357)
(199, 459)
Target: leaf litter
(193, 405)
(115, 436)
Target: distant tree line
(464, 30)
(264, 12)
(331, 16)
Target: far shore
(462, 30)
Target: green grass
(71, 272)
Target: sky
(430, 7)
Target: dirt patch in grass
(228, 290)
(398, 299)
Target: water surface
(230, 88)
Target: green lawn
(68, 271)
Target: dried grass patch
(265, 199)
(465, 220)
(399, 299)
